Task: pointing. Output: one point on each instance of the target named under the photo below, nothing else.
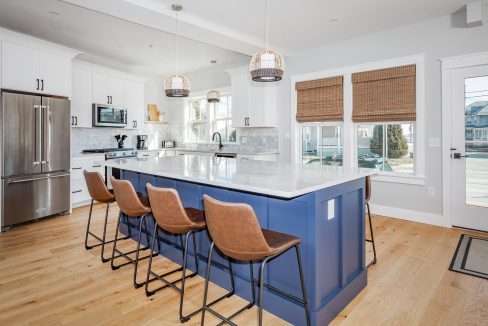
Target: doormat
(471, 256)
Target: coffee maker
(141, 142)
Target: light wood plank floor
(47, 278)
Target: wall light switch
(331, 209)
(434, 142)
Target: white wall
(437, 38)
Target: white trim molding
(349, 144)
(407, 214)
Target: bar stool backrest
(168, 209)
(97, 188)
(235, 229)
(127, 198)
(368, 189)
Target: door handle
(76, 168)
(111, 99)
(76, 121)
(42, 84)
(76, 191)
(72, 120)
(458, 156)
(35, 179)
(95, 166)
(108, 99)
(37, 80)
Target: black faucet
(220, 139)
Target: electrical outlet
(431, 191)
(331, 209)
(243, 140)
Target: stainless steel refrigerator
(35, 156)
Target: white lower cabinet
(79, 191)
(194, 153)
(261, 157)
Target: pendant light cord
(266, 23)
(176, 42)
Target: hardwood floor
(47, 278)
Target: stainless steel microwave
(106, 115)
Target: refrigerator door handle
(46, 141)
(35, 179)
(38, 134)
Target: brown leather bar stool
(368, 197)
(172, 217)
(133, 207)
(99, 193)
(235, 231)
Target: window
(206, 118)
(383, 119)
(386, 147)
(322, 144)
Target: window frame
(350, 128)
(210, 116)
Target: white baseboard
(407, 214)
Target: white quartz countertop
(269, 178)
(224, 150)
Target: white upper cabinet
(54, 72)
(108, 89)
(81, 107)
(32, 70)
(253, 104)
(20, 68)
(134, 102)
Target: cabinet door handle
(76, 121)
(72, 120)
(37, 80)
(108, 99)
(248, 121)
(135, 122)
(111, 100)
(76, 168)
(42, 84)
(96, 166)
(76, 191)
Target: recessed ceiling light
(333, 20)
(52, 12)
(213, 61)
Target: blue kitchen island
(323, 205)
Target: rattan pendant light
(176, 85)
(267, 65)
(213, 96)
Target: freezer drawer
(33, 197)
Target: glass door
(469, 150)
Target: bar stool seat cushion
(279, 242)
(196, 216)
(130, 203)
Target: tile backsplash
(252, 140)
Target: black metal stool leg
(87, 247)
(182, 292)
(207, 278)
(302, 282)
(104, 260)
(155, 234)
(141, 220)
(372, 237)
(115, 243)
(261, 286)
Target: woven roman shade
(385, 95)
(320, 100)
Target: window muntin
(322, 144)
(206, 118)
(387, 147)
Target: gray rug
(471, 256)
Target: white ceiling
(293, 25)
(109, 40)
(118, 32)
